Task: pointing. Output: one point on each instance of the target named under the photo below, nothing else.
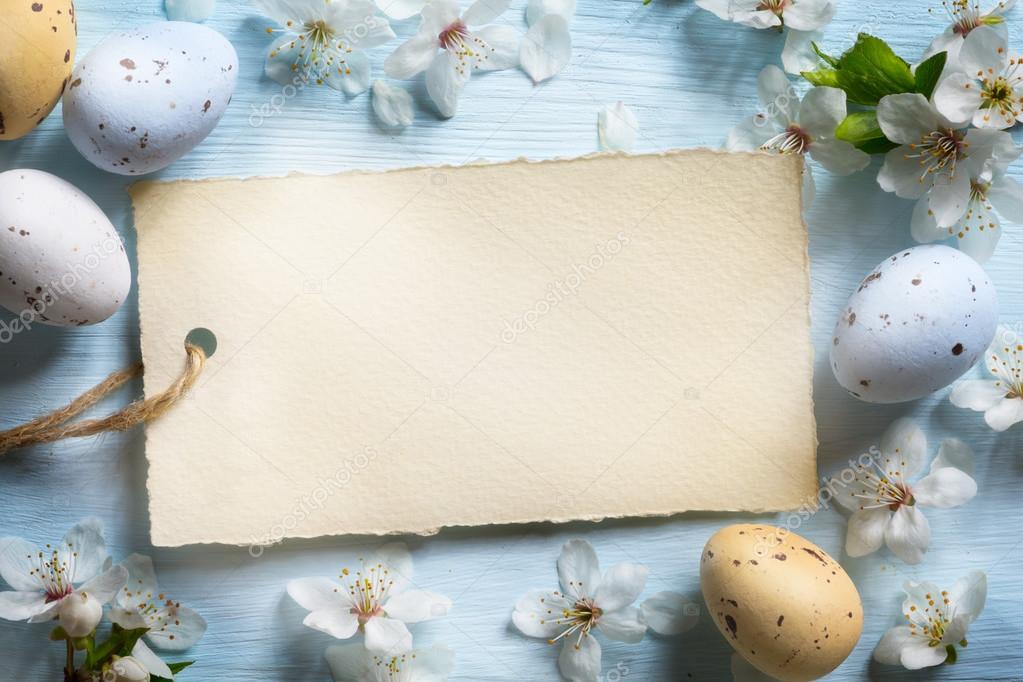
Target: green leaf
(58, 634)
(179, 666)
(928, 73)
(868, 71)
(120, 643)
(952, 656)
(832, 61)
(860, 128)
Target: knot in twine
(54, 426)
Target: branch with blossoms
(71, 584)
(939, 124)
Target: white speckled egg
(61, 261)
(140, 100)
(916, 323)
(782, 603)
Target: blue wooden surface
(689, 77)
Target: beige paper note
(403, 351)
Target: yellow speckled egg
(38, 38)
(781, 602)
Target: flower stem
(69, 669)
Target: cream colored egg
(781, 602)
(38, 38)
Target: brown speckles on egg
(67, 56)
(958, 349)
(128, 64)
(780, 556)
(916, 281)
(37, 7)
(865, 383)
(75, 83)
(781, 619)
(206, 106)
(733, 627)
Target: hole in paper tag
(203, 338)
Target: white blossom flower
(928, 163)
(802, 18)
(886, 507)
(587, 601)
(787, 126)
(126, 669)
(547, 46)
(937, 623)
(992, 193)
(189, 10)
(354, 663)
(393, 106)
(989, 90)
(617, 127)
(1000, 399)
(802, 15)
(965, 16)
(323, 41)
(375, 600)
(141, 604)
(43, 578)
(449, 47)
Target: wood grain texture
(689, 77)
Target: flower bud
(79, 613)
(125, 669)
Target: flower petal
(412, 57)
(106, 585)
(949, 198)
(809, 15)
(1005, 414)
(281, 60)
(129, 619)
(777, 95)
(918, 653)
(889, 650)
(21, 605)
(484, 12)
(822, 110)
(798, 56)
(538, 9)
(578, 569)
(48, 612)
(189, 10)
(957, 98)
(434, 664)
(621, 586)
(908, 535)
(906, 117)
(85, 541)
(580, 662)
(17, 559)
(535, 614)
(903, 447)
(317, 593)
(617, 127)
(838, 156)
(392, 105)
(954, 453)
(946, 487)
(445, 80)
(984, 48)
(349, 662)
(153, 664)
(969, 595)
(337, 623)
(546, 49)
(923, 227)
(438, 15)
(402, 9)
(387, 635)
(901, 174)
(865, 533)
(623, 625)
(751, 134)
(1006, 195)
(186, 628)
(977, 394)
(353, 77)
(670, 613)
(414, 606)
(141, 585)
(504, 43)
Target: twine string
(58, 425)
